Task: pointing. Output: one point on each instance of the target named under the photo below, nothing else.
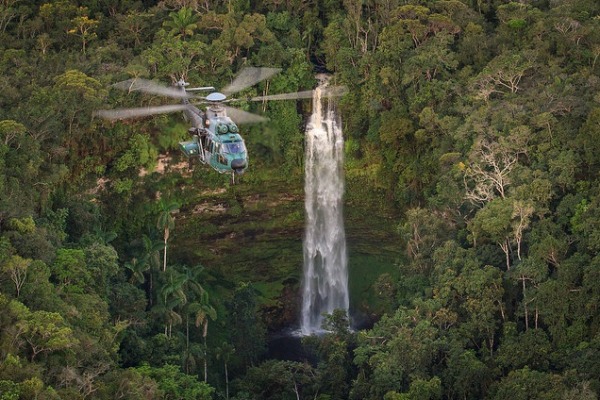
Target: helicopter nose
(238, 163)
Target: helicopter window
(234, 147)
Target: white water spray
(325, 286)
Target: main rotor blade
(139, 112)
(200, 89)
(146, 86)
(248, 77)
(243, 117)
(332, 91)
(307, 94)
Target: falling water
(325, 286)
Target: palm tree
(191, 278)
(172, 295)
(205, 311)
(192, 287)
(137, 268)
(151, 256)
(166, 311)
(224, 352)
(183, 22)
(143, 266)
(166, 222)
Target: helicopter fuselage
(215, 138)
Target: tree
(503, 73)
(84, 26)
(489, 175)
(522, 211)
(70, 271)
(493, 222)
(530, 273)
(151, 257)
(183, 23)
(137, 268)
(76, 95)
(45, 332)
(102, 262)
(400, 348)
(17, 267)
(520, 349)
(174, 384)
(11, 133)
(166, 222)
(8, 12)
(420, 389)
(466, 375)
(199, 308)
(334, 350)
(204, 311)
(224, 352)
(248, 333)
(135, 386)
(169, 56)
(171, 295)
(528, 384)
(133, 25)
(275, 379)
(423, 232)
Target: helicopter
(215, 135)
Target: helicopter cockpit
(237, 147)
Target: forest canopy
(474, 124)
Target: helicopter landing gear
(234, 173)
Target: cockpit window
(234, 147)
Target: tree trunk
(187, 343)
(205, 331)
(506, 249)
(165, 257)
(296, 390)
(165, 253)
(226, 382)
(525, 305)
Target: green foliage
(247, 330)
(182, 23)
(471, 126)
(419, 390)
(69, 269)
(529, 384)
(172, 383)
(140, 153)
(276, 379)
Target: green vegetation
(473, 204)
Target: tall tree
(166, 223)
(183, 23)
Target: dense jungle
(472, 204)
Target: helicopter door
(210, 147)
(220, 158)
(204, 146)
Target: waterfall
(325, 284)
